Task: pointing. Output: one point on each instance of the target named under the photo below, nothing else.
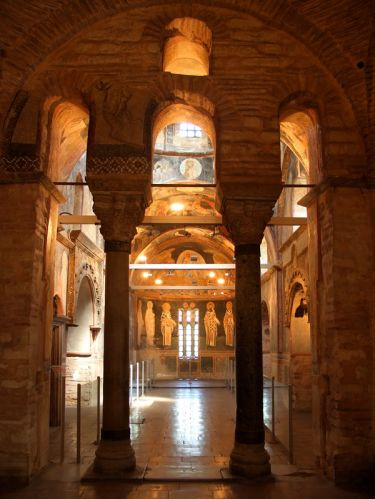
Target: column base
(249, 460)
(114, 456)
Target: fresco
(184, 169)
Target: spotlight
(211, 274)
(158, 281)
(146, 274)
(221, 281)
(143, 258)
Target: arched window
(183, 154)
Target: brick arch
(58, 28)
(331, 127)
(199, 92)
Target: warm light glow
(177, 206)
(146, 274)
(143, 258)
(158, 281)
(211, 274)
(221, 281)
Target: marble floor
(182, 438)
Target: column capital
(119, 213)
(246, 220)
(246, 208)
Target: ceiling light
(145, 274)
(221, 280)
(143, 258)
(158, 281)
(177, 206)
(211, 274)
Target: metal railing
(278, 413)
(141, 376)
(277, 407)
(230, 374)
(79, 415)
(140, 381)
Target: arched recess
(79, 338)
(300, 347)
(81, 361)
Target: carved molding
(134, 164)
(19, 164)
(89, 271)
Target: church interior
(187, 199)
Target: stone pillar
(120, 211)
(341, 262)
(249, 456)
(246, 219)
(28, 220)
(115, 451)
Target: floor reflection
(189, 422)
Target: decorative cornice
(117, 158)
(134, 164)
(19, 163)
(86, 245)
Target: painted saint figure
(210, 323)
(140, 323)
(229, 324)
(150, 323)
(167, 325)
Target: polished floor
(182, 438)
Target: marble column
(115, 451)
(245, 220)
(249, 456)
(120, 211)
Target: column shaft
(116, 347)
(249, 419)
(115, 454)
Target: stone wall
(344, 346)
(28, 217)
